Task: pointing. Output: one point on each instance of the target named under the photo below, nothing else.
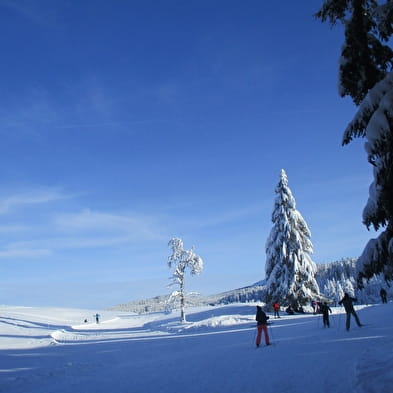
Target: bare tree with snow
(289, 269)
(366, 76)
(180, 260)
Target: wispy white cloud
(86, 229)
(32, 197)
(231, 216)
(51, 245)
(220, 216)
(15, 252)
(9, 229)
(38, 114)
(130, 225)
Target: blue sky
(126, 123)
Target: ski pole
(271, 335)
(339, 321)
(331, 320)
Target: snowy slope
(53, 350)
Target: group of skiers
(288, 310)
(347, 301)
(323, 308)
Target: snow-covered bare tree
(289, 269)
(366, 76)
(180, 260)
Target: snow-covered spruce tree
(289, 269)
(329, 289)
(366, 76)
(180, 260)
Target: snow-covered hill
(252, 293)
(333, 278)
(54, 351)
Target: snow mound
(221, 321)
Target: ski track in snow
(53, 351)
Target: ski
(264, 345)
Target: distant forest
(333, 280)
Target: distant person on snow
(347, 302)
(276, 308)
(97, 316)
(383, 295)
(325, 309)
(314, 305)
(261, 319)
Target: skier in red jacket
(276, 308)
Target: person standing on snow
(347, 302)
(261, 319)
(383, 295)
(325, 309)
(276, 308)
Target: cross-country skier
(383, 295)
(261, 318)
(325, 309)
(347, 302)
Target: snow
(52, 350)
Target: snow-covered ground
(48, 350)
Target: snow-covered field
(47, 350)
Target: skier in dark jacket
(347, 302)
(261, 318)
(383, 295)
(325, 309)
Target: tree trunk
(182, 303)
